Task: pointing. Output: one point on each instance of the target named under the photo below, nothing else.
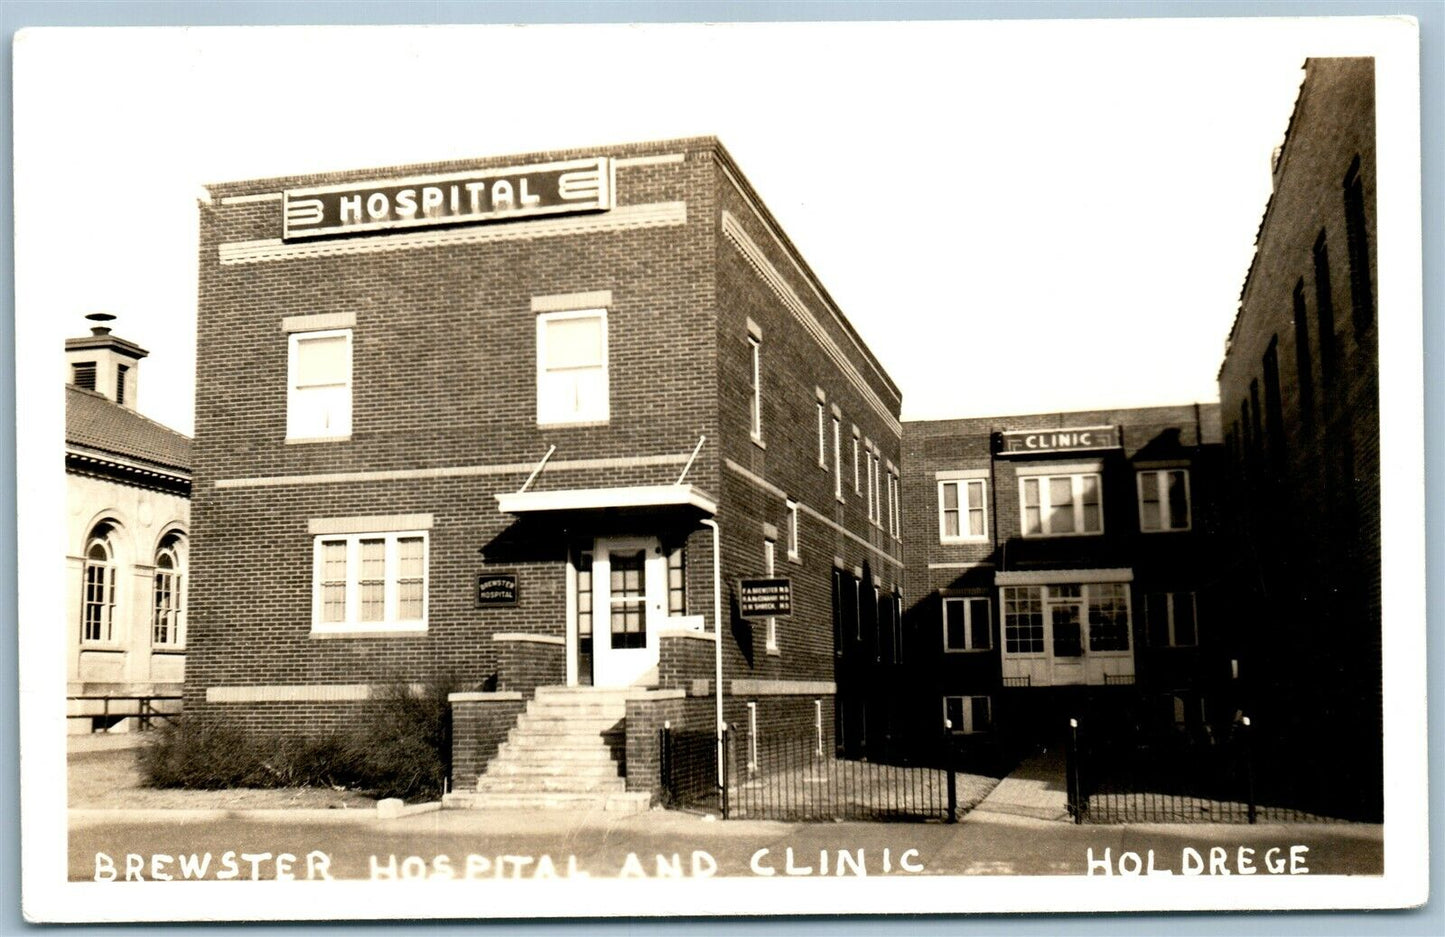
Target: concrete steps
(558, 756)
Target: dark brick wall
(1306, 490)
(681, 660)
(479, 727)
(522, 666)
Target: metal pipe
(538, 470)
(711, 524)
(690, 459)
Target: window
(98, 601)
(837, 458)
(1054, 505)
(1362, 297)
(961, 511)
(877, 490)
(793, 552)
(1324, 309)
(584, 614)
(755, 400)
(967, 625)
(1273, 406)
(370, 582)
(752, 735)
(626, 586)
(872, 500)
(677, 582)
(967, 715)
(1256, 415)
(770, 551)
(166, 604)
(120, 372)
(83, 374)
(319, 371)
(1302, 357)
(572, 367)
(1170, 619)
(822, 435)
(1108, 616)
(892, 505)
(857, 481)
(1164, 500)
(1023, 620)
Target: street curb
(79, 817)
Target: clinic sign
(765, 598)
(1075, 439)
(477, 197)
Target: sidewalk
(1034, 789)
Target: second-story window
(318, 402)
(822, 435)
(572, 367)
(1164, 499)
(837, 458)
(755, 398)
(967, 625)
(962, 514)
(1057, 505)
(793, 548)
(857, 479)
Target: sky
(1016, 216)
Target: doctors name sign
(765, 598)
(475, 197)
(1060, 440)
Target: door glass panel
(627, 588)
(1067, 642)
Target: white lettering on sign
(1216, 860)
(1084, 437)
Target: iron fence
(791, 779)
(1136, 776)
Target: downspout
(720, 726)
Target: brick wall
(523, 665)
(479, 727)
(1305, 486)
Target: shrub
(402, 750)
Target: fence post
(1073, 782)
(664, 764)
(1247, 741)
(725, 769)
(950, 780)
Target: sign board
(496, 590)
(475, 197)
(1060, 440)
(765, 598)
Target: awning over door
(559, 500)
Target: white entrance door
(629, 589)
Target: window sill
(109, 647)
(1171, 530)
(758, 441)
(308, 440)
(959, 541)
(1091, 533)
(168, 649)
(358, 631)
(572, 424)
(967, 650)
(774, 652)
(795, 558)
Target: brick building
(1299, 393)
(1064, 564)
(472, 421)
(128, 487)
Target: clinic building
(1062, 566)
(486, 421)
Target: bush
(403, 750)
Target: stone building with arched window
(128, 487)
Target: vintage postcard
(573, 471)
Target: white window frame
(868, 463)
(822, 434)
(877, 491)
(351, 622)
(838, 458)
(795, 552)
(175, 613)
(752, 735)
(1086, 600)
(109, 581)
(965, 604)
(965, 508)
(1045, 508)
(966, 711)
(598, 411)
(296, 428)
(1160, 480)
(857, 478)
(755, 414)
(893, 499)
(1169, 613)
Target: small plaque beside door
(496, 590)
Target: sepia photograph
(590, 470)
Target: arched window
(166, 604)
(98, 607)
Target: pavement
(1034, 789)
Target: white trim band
(568, 302)
(369, 524)
(520, 637)
(784, 688)
(318, 323)
(451, 471)
(1048, 577)
(593, 499)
